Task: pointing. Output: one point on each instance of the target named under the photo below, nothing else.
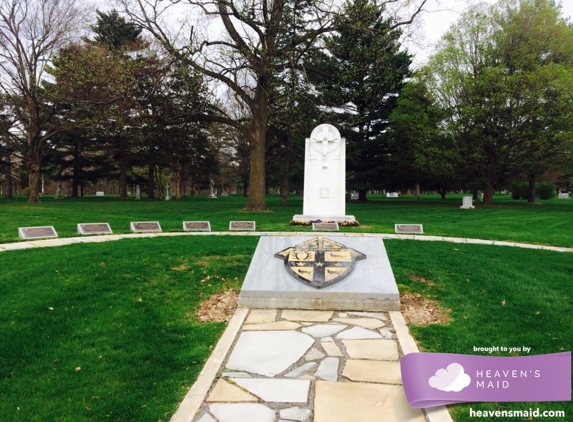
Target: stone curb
(408, 345)
(196, 395)
(103, 238)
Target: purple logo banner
(434, 379)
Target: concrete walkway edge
(194, 398)
(28, 244)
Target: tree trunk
(531, 189)
(488, 194)
(443, 193)
(150, 182)
(9, 192)
(257, 192)
(417, 190)
(33, 177)
(361, 195)
(76, 175)
(284, 191)
(122, 168)
(177, 179)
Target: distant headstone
(167, 193)
(354, 196)
(467, 203)
(324, 176)
(146, 227)
(409, 228)
(196, 226)
(481, 196)
(36, 232)
(99, 193)
(212, 194)
(242, 225)
(59, 194)
(392, 195)
(94, 228)
(563, 195)
(138, 192)
(330, 227)
(224, 193)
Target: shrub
(544, 190)
(519, 190)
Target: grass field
(546, 223)
(108, 332)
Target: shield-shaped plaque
(320, 262)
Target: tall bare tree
(31, 33)
(254, 40)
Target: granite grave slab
(197, 226)
(40, 232)
(370, 287)
(94, 228)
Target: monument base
(323, 218)
(370, 287)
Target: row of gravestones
(43, 232)
(136, 227)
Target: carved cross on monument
(328, 139)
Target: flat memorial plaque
(36, 232)
(409, 228)
(196, 226)
(370, 287)
(325, 226)
(94, 228)
(242, 225)
(146, 227)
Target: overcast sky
(436, 21)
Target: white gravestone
(467, 203)
(563, 195)
(324, 176)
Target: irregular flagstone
(268, 353)
(377, 315)
(326, 339)
(242, 412)
(314, 354)
(323, 330)
(373, 371)
(259, 316)
(360, 402)
(331, 348)
(357, 333)
(226, 392)
(371, 323)
(277, 390)
(236, 375)
(295, 414)
(206, 418)
(372, 349)
(301, 370)
(328, 369)
(299, 315)
(270, 326)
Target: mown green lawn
(548, 222)
(108, 331)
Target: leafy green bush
(519, 190)
(544, 190)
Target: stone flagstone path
(306, 366)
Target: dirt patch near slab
(419, 310)
(219, 307)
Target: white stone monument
(324, 176)
(212, 194)
(467, 203)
